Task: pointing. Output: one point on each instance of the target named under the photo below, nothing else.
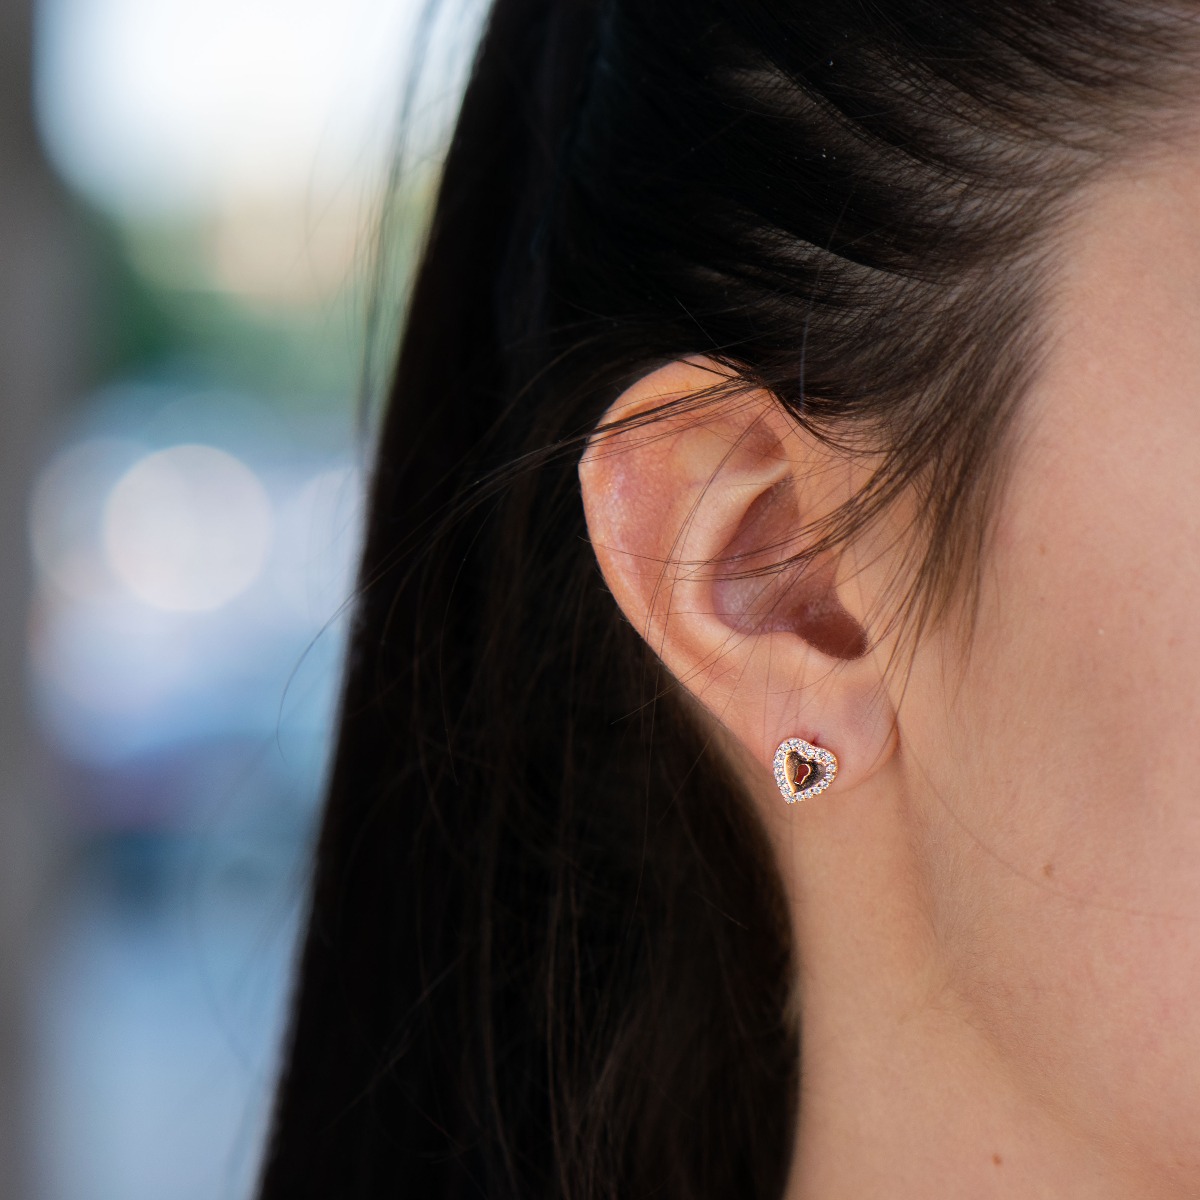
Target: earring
(803, 770)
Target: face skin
(997, 904)
(1057, 790)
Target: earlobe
(695, 516)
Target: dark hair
(547, 952)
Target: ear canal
(757, 591)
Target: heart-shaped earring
(803, 770)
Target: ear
(679, 507)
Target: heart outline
(816, 757)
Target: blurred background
(204, 241)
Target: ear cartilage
(803, 770)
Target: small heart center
(798, 771)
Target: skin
(997, 904)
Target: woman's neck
(904, 1092)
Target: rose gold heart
(803, 770)
(797, 770)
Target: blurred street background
(203, 253)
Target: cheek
(1080, 708)
(1059, 770)
(1088, 661)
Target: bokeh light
(186, 529)
(194, 534)
(152, 105)
(65, 515)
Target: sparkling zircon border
(825, 762)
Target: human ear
(680, 507)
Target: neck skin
(902, 1094)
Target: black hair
(547, 951)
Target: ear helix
(803, 770)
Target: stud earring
(803, 770)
